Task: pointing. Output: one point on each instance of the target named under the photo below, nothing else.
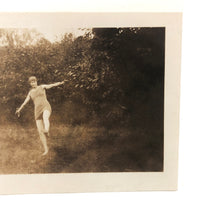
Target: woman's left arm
(53, 85)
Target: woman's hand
(17, 112)
(63, 82)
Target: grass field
(80, 149)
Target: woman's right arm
(24, 103)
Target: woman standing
(42, 108)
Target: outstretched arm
(24, 103)
(53, 85)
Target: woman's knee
(46, 115)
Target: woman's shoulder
(30, 91)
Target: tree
(111, 72)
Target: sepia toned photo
(82, 99)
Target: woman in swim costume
(42, 108)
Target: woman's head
(32, 81)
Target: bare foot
(46, 133)
(46, 152)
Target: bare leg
(46, 115)
(43, 139)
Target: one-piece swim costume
(38, 95)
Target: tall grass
(79, 149)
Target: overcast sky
(52, 26)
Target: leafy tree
(111, 73)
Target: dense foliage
(114, 75)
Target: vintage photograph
(82, 99)
(90, 100)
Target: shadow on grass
(62, 159)
(81, 149)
